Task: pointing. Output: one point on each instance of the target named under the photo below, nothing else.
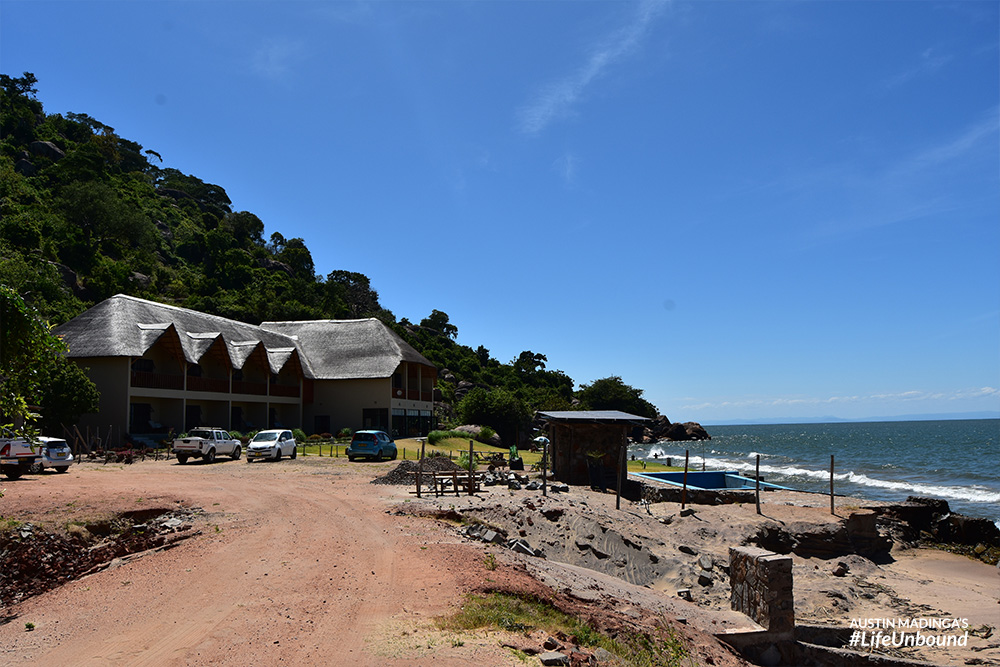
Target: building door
(192, 417)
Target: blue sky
(751, 210)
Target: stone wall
(761, 587)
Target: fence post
(832, 510)
(472, 464)
(420, 466)
(684, 489)
(758, 483)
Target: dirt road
(297, 563)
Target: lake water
(956, 460)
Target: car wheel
(36, 469)
(277, 453)
(63, 469)
(395, 453)
(12, 472)
(237, 452)
(210, 457)
(295, 452)
(378, 455)
(350, 458)
(182, 458)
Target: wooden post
(758, 484)
(545, 469)
(472, 464)
(684, 489)
(832, 509)
(622, 472)
(420, 467)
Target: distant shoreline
(791, 421)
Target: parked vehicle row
(19, 456)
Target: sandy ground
(306, 562)
(295, 562)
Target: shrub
(342, 433)
(485, 435)
(315, 436)
(434, 437)
(299, 435)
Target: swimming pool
(710, 480)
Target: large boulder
(46, 149)
(475, 430)
(685, 431)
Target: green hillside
(86, 214)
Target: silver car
(55, 454)
(271, 444)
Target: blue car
(372, 444)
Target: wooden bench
(459, 480)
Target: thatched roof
(126, 326)
(349, 349)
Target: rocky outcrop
(46, 149)
(662, 429)
(275, 265)
(474, 431)
(25, 167)
(932, 519)
(858, 534)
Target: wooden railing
(220, 385)
(152, 380)
(284, 390)
(247, 387)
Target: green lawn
(409, 448)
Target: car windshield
(265, 437)
(200, 434)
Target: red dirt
(297, 562)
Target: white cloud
(276, 56)
(873, 399)
(930, 63)
(566, 167)
(556, 99)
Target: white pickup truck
(17, 455)
(206, 443)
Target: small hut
(588, 445)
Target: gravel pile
(406, 471)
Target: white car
(55, 454)
(17, 456)
(271, 444)
(206, 443)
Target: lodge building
(161, 368)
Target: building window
(375, 419)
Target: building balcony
(248, 387)
(219, 385)
(284, 390)
(151, 380)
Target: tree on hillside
(438, 321)
(499, 409)
(34, 371)
(354, 293)
(612, 393)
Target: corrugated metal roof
(592, 416)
